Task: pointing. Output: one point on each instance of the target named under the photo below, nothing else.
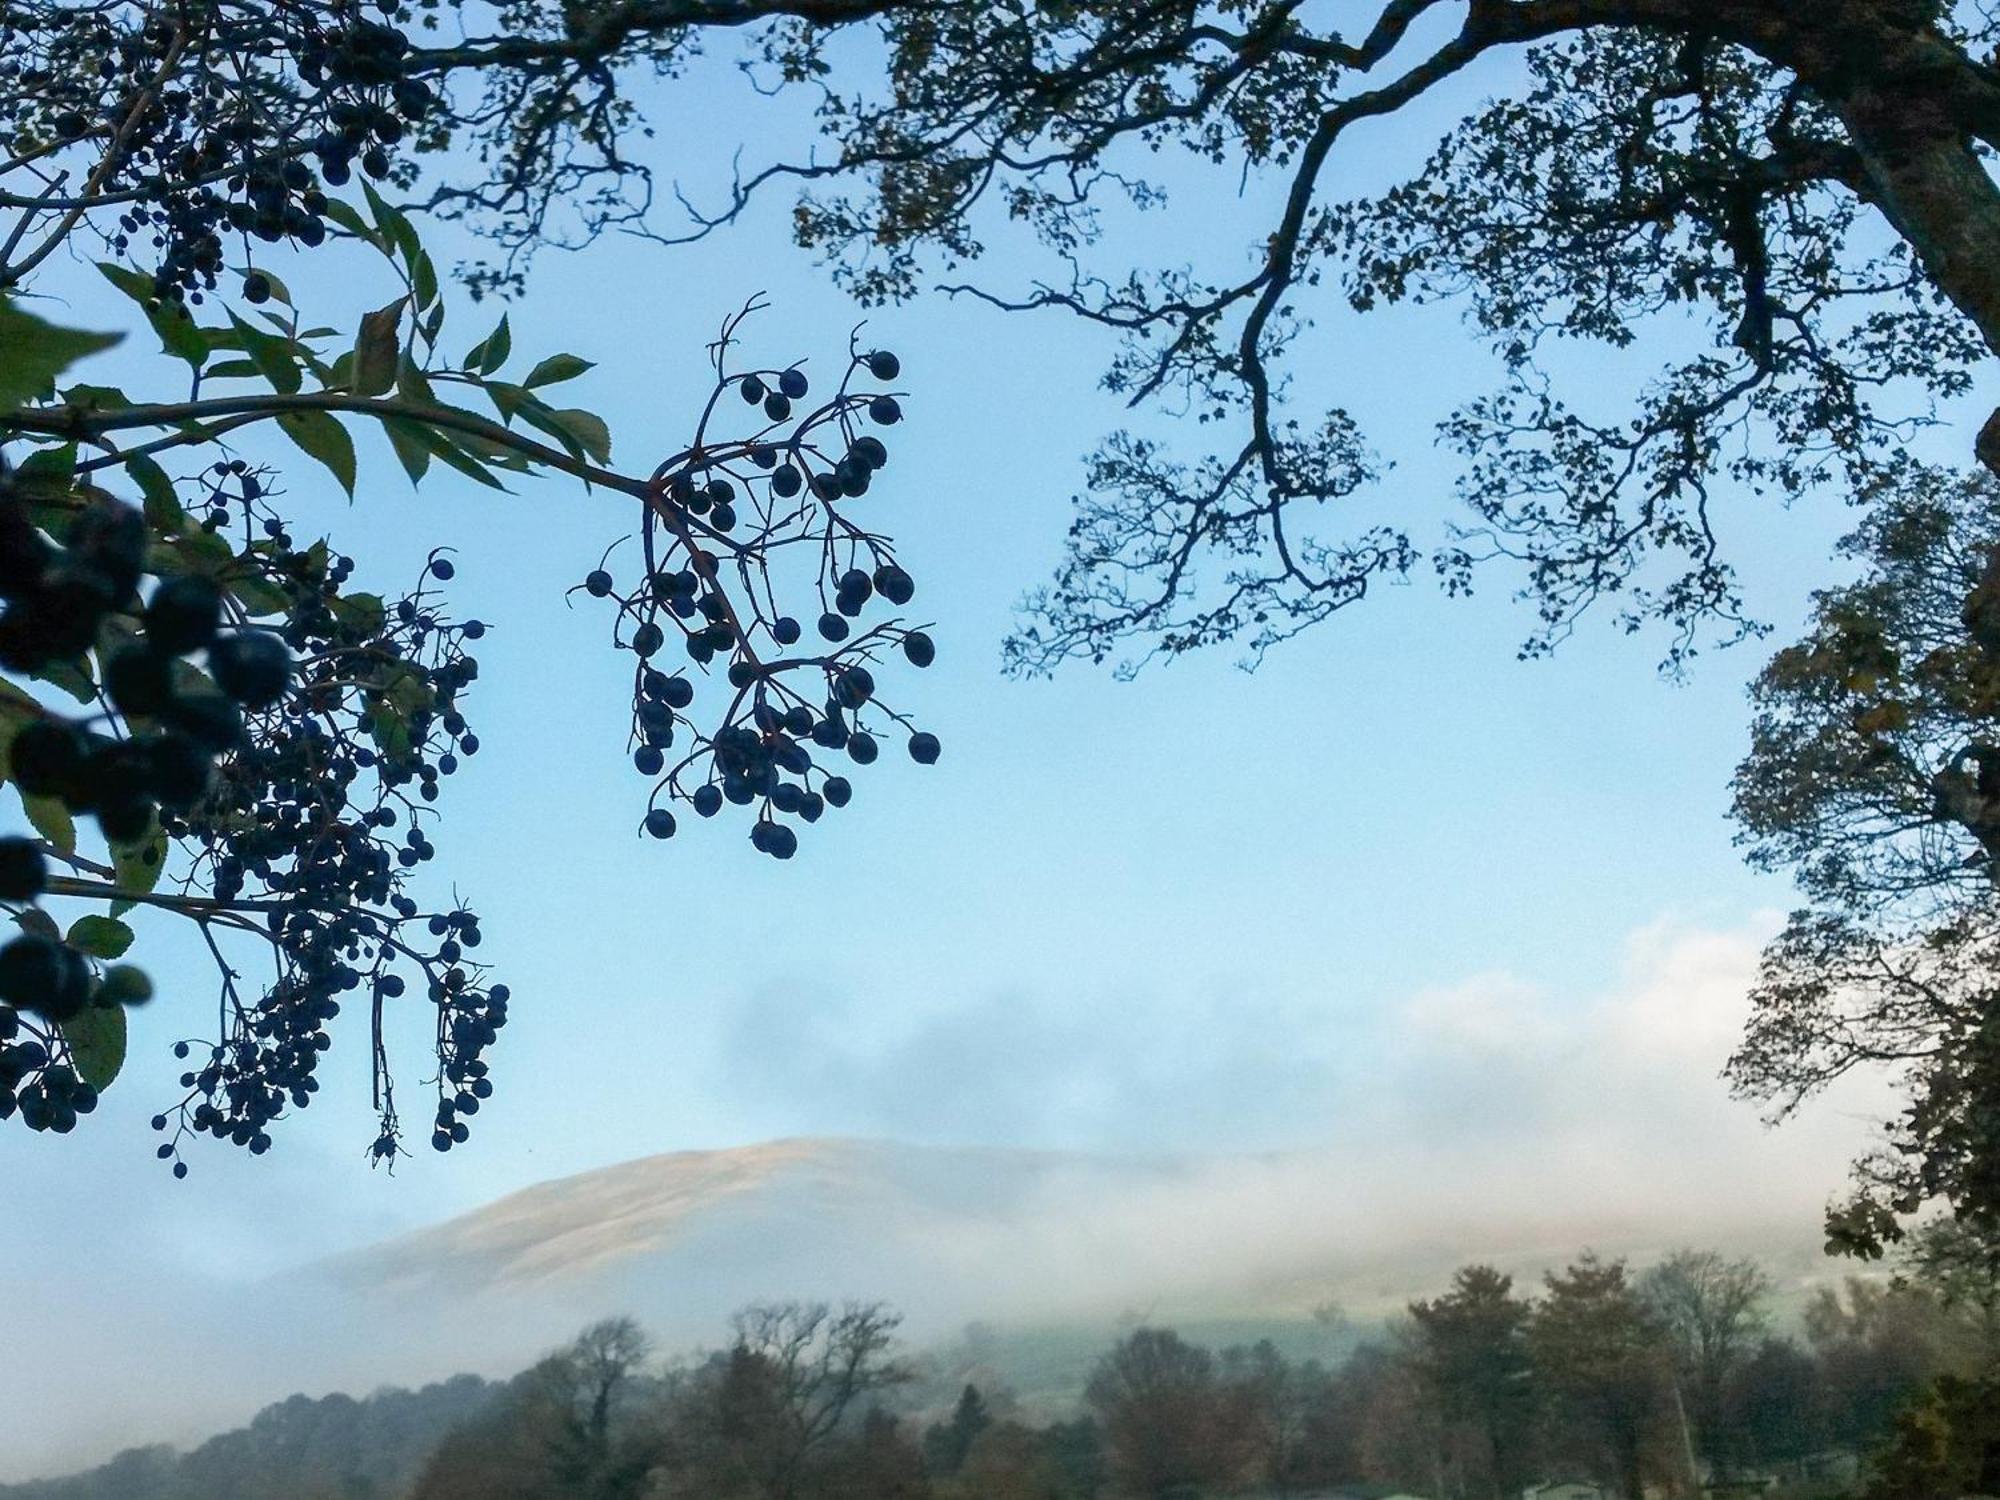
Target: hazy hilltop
(958, 1234)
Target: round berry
(252, 667)
(44, 756)
(24, 873)
(183, 614)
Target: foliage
(1602, 1360)
(1871, 774)
(1712, 1312)
(1472, 1357)
(1948, 1443)
(1166, 1433)
(243, 725)
(1723, 163)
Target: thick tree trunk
(1913, 107)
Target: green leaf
(276, 358)
(413, 385)
(40, 923)
(96, 397)
(100, 937)
(259, 596)
(96, 1037)
(71, 677)
(49, 470)
(557, 367)
(179, 334)
(34, 352)
(163, 505)
(345, 216)
(52, 821)
(320, 435)
(123, 984)
(459, 459)
(540, 414)
(406, 437)
(376, 350)
(362, 613)
(424, 280)
(491, 352)
(499, 453)
(508, 398)
(394, 226)
(137, 866)
(589, 430)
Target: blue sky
(1111, 915)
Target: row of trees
(1649, 1383)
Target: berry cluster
(70, 573)
(210, 122)
(743, 507)
(287, 736)
(47, 1095)
(322, 817)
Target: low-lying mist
(1492, 1124)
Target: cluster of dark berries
(46, 1095)
(322, 814)
(70, 582)
(287, 735)
(741, 510)
(230, 120)
(469, 1019)
(75, 588)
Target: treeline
(332, 1448)
(1659, 1382)
(1652, 1383)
